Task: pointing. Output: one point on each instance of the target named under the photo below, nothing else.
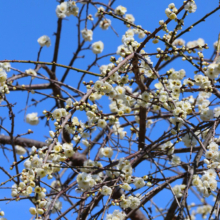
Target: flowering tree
(93, 165)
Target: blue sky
(23, 22)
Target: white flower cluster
(126, 171)
(212, 156)
(59, 113)
(34, 168)
(44, 41)
(167, 147)
(216, 112)
(35, 161)
(31, 72)
(86, 181)
(56, 184)
(44, 205)
(32, 118)
(106, 152)
(171, 11)
(116, 215)
(178, 190)
(91, 163)
(175, 160)
(78, 129)
(66, 9)
(131, 202)
(130, 18)
(200, 42)
(141, 34)
(213, 71)
(207, 183)
(118, 130)
(69, 103)
(120, 10)
(168, 95)
(146, 69)
(129, 44)
(26, 189)
(139, 182)
(126, 168)
(20, 150)
(202, 81)
(203, 104)
(3, 77)
(126, 187)
(104, 24)
(87, 34)
(106, 191)
(122, 101)
(5, 66)
(179, 42)
(204, 210)
(189, 140)
(99, 12)
(190, 7)
(66, 148)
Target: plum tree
(120, 136)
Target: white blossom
(36, 161)
(20, 150)
(129, 18)
(61, 10)
(32, 118)
(116, 215)
(217, 112)
(3, 75)
(207, 114)
(44, 41)
(120, 10)
(190, 7)
(213, 146)
(69, 102)
(102, 123)
(135, 202)
(106, 191)
(104, 24)
(125, 203)
(106, 152)
(126, 187)
(97, 47)
(87, 34)
(31, 72)
(175, 160)
(6, 66)
(139, 182)
(72, 9)
(178, 190)
(58, 113)
(178, 42)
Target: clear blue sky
(23, 22)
